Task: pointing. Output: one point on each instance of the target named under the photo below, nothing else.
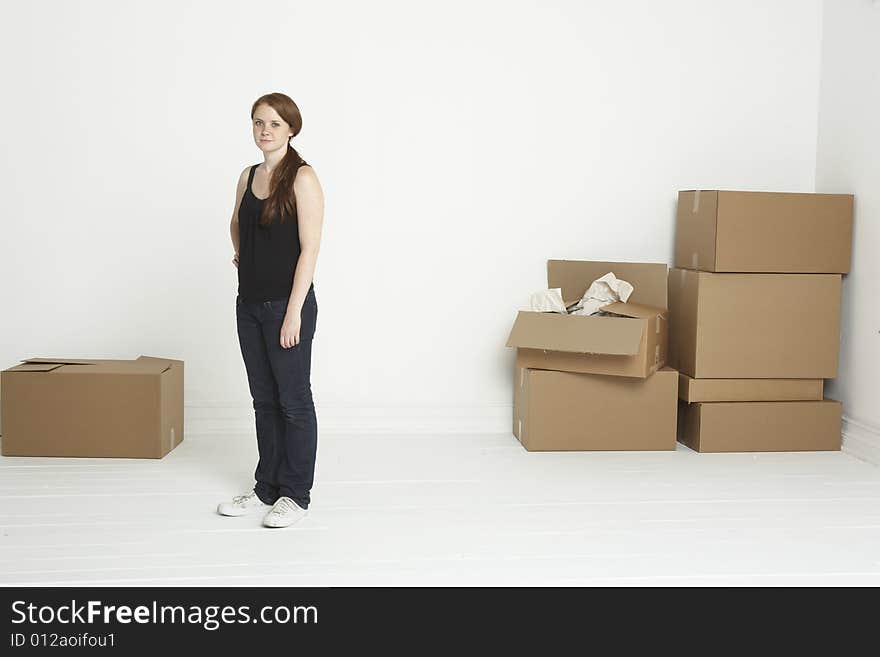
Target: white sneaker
(284, 513)
(242, 505)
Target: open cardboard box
(631, 344)
(81, 407)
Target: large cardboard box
(729, 231)
(632, 345)
(754, 326)
(77, 407)
(783, 426)
(572, 411)
(715, 390)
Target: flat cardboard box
(92, 408)
(786, 426)
(730, 231)
(633, 345)
(717, 390)
(560, 411)
(754, 326)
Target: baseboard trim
(861, 440)
(226, 418)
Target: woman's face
(271, 132)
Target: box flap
(60, 361)
(160, 364)
(95, 366)
(140, 367)
(35, 367)
(155, 358)
(575, 276)
(633, 310)
(575, 333)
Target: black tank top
(267, 256)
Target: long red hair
(281, 200)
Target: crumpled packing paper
(602, 292)
(547, 301)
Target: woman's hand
(235, 259)
(290, 330)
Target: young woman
(276, 232)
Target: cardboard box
(633, 345)
(77, 407)
(571, 411)
(754, 326)
(728, 231)
(785, 426)
(715, 390)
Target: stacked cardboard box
(596, 382)
(754, 302)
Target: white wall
(847, 161)
(459, 144)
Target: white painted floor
(446, 510)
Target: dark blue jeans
(280, 385)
